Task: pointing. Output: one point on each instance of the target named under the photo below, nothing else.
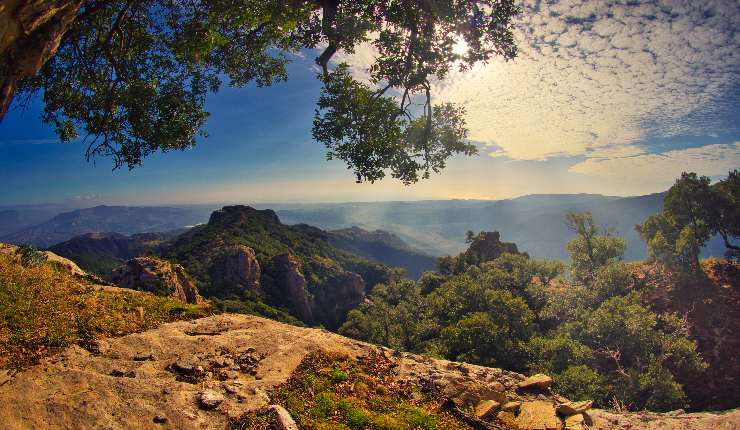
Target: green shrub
(337, 376)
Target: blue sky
(611, 99)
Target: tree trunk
(30, 33)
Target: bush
(581, 383)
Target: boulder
(538, 415)
(572, 408)
(236, 271)
(539, 381)
(159, 277)
(209, 399)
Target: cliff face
(326, 303)
(213, 372)
(236, 272)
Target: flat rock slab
(572, 408)
(539, 381)
(538, 415)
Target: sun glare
(460, 47)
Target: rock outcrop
(488, 246)
(236, 272)
(290, 286)
(341, 293)
(327, 303)
(201, 374)
(66, 264)
(159, 277)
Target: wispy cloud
(709, 160)
(596, 77)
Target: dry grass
(43, 308)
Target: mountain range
(432, 228)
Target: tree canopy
(131, 76)
(693, 211)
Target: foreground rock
(201, 374)
(538, 381)
(158, 277)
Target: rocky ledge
(203, 374)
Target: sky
(604, 97)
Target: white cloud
(709, 160)
(594, 76)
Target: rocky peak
(159, 277)
(488, 246)
(240, 214)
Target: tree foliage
(590, 249)
(693, 211)
(591, 330)
(131, 77)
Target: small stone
(159, 419)
(228, 374)
(143, 356)
(222, 362)
(572, 408)
(539, 380)
(511, 406)
(231, 389)
(118, 373)
(187, 365)
(487, 409)
(498, 386)
(209, 399)
(283, 418)
(575, 422)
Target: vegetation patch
(330, 392)
(43, 308)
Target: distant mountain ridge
(119, 219)
(383, 247)
(435, 227)
(536, 223)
